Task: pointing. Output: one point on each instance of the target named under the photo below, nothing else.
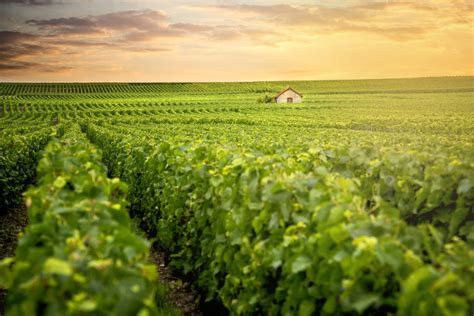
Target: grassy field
(358, 200)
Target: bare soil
(12, 222)
(179, 292)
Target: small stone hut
(289, 95)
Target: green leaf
(301, 263)
(5, 271)
(329, 306)
(57, 266)
(453, 305)
(464, 186)
(307, 308)
(59, 182)
(456, 219)
(365, 301)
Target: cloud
(397, 20)
(12, 37)
(14, 46)
(136, 31)
(116, 29)
(146, 20)
(126, 29)
(192, 28)
(17, 65)
(66, 25)
(29, 2)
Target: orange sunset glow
(233, 40)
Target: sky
(225, 40)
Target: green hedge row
(79, 255)
(265, 235)
(19, 156)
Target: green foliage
(285, 233)
(266, 99)
(78, 254)
(18, 160)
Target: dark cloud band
(29, 2)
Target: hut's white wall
(289, 94)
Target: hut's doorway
(289, 100)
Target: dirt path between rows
(179, 293)
(11, 224)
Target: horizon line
(252, 81)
